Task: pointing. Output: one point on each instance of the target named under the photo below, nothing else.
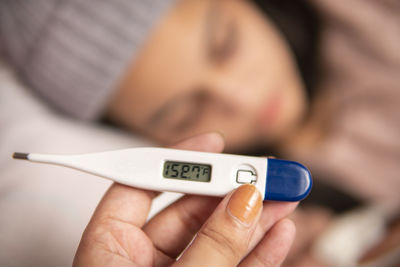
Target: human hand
(239, 230)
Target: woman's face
(212, 66)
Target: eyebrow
(210, 19)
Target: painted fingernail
(245, 204)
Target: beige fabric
(73, 53)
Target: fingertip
(274, 211)
(287, 226)
(221, 138)
(216, 140)
(207, 142)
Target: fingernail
(245, 204)
(220, 133)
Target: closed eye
(222, 49)
(221, 34)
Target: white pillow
(44, 209)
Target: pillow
(44, 209)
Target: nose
(232, 93)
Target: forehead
(172, 59)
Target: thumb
(224, 238)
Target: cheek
(274, 69)
(238, 130)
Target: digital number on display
(187, 171)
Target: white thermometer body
(191, 172)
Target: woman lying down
(313, 81)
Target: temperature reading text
(187, 171)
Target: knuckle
(228, 243)
(264, 260)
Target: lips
(270, 111)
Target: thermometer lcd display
(187, 171)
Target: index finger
(123, 203)
(131, 205)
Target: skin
(212, 66)
(206, 66)
(118, 234)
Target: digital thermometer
(191, 172)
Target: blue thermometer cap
(287, 181)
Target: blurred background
(314, 81)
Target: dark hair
(300, 25)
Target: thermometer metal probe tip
(19, 155)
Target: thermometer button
(246, 177)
